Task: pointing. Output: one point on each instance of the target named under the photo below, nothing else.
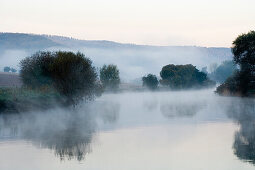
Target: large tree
(70, 74)
(109, 76)
(73, 76)
(244, 56)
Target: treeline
(178, 77)
(8, 69)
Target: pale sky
(156, 22)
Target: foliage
(244, 55)
(150, 81)
(223, 71)
(7, 69)
(13, 70)
(71, 75)
(109, 76)
(183, 76)
(35, 70)
(244, 50)
(231, 86)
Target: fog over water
(145, 130)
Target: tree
(13, 70)
(244, 56)
(183, 76)
(35, 70)
(244, 50)
(7, 69)
(109, 76)
(223, 71)
(71, 75)
(150, 81)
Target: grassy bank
(16, 100)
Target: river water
(183, 130)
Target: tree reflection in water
(181, 109)
(243, 111)
(69, 133)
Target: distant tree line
(8, 69)
(178, 77)
(220, 73)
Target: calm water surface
(188, 130)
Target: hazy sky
(158, 22)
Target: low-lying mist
(133, 62)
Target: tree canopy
(150, 81)
(183, 76)
(7, 69)
(244, 56)
(109, 76)
(70, 74)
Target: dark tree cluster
(150, 81)
(70, 74)
(8, 69)
(109, 77)
(183, 76)
(243, 80)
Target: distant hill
(133, 60)
(25, 41)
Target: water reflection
(243, 111)
(181, 109)
(69, 133)
(108, 111)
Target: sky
(210, 23)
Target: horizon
(127, 43)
